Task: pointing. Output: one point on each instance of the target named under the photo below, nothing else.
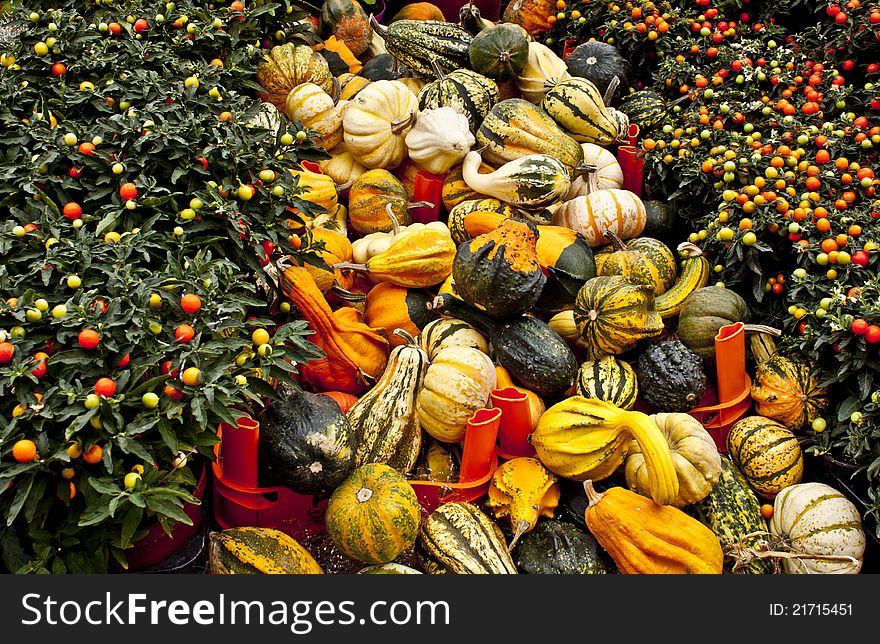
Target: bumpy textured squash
(644, 260)
(600, 63)
(732, 512)
(440, 139)
(499, 271)
(426, 45)
(384, 66)
(613, 314)
(523, 490)
(374, 514)
(289, 65)
(500, 52)
(305, 442)
(531, 15)
(376, 122)
(672, 376)
(767, 453)
(610, 380)
(354, 350)
(816, 519)
(495, 210)
(515, 128)
(618, 211)
(464, 90)
(696, 459)
(458, 538)
(705, 311)
(369, 197)
(786, 390)
(558, 548)
(347, 20)
(391, 307)
(383, 421)
(244, 551)
(543, 71)
(581, 438)
(458, 383)
(450, 332)
(644, 537)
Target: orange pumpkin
(531, 15)
(419, 11)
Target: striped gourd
(460, 211)
(464, 90)
(543, 71)
(694, 275)
(422, 44)
(787, 391)
(534, 181)
(613, 314)
(455, 189)
(249, 551)
(767, 453)
(315, 110)
(450, 332)
(815, 519)
(350, 84)
(458, 538)
(384, 421)
(608, 379)
(606, 175)
(645, 108)
(515, 128)
(732, 511)
(644, 259)
(374, 514)
(576, 105)
(620, 211)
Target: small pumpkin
(418, 11)
(450, 332)
(500, 52)
(373, 515)
(288, 65)
(347, 20)
(457, 384)
(313, 107)
(376, 122)
(789, 392)
(608, 379)
(644, 260)
(672, 376)
(440, 139)
(499, 271)
(523, 490)
(600, 171)
(600, 211)
(767, 453)
(369, 198)
(696, 459)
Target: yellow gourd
(523, 490)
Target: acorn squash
(558, 548)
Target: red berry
(841, 18)
(859, 326)
(7, 350)
(141, 25)
(874, 18)
(59, 69)
(75, 172)
(72, 210)
(184, 333)
(105, 387)
(128, 191)
(833, 10)
(873, 334)
(860, 258)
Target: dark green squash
(426, 45)
(306, 442)
(671, 376)
(384, 67)
(347, 20)
(535, 355)
(464, 90)
(660, 220)
(705, 311)
(559, 548)
(470, 20)
(599, 63)
(500, 52)
(499, 271)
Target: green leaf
(130, 524)
(21, 495)
(94, 515)
(167, 507)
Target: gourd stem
(691, 249)
(341, 187)
(395, 225)
(419, 204)
(379, 29)
(583, 170)
(399, 126)
(743, 555)
(435, 65)
(761, 328)
(364, 494)
(351, 266)
(521, 528)
(592, 495)
(345, 294)
(609, 91)
(615, 240)
(403, 333)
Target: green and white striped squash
(450, 332)
(767, 453)
(424, 46)
(532, 181)
(458, 538)
(576, 106)
(646, 108)
(515, 128)
(388, 569)
(608, 379)
(543, 71)
(464, 90)
(383, 420)
(815, 519)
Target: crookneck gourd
(523, 490)
(581, 438)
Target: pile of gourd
(540, 278)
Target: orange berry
(24, 451)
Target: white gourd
(440, 138)
(543, 70)
(608, 173)
(620, 211)
(342, 167)
(316, 110)
(376, 122)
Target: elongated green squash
(416, 43)
(576, 106)
(515, 128)
(384, 420)
(532, 181)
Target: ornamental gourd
(458, 217)
(694, 274)
(422, 45)
(250, 551)
(618, 211)
(559, 548)
(456, 190)
(816, 519)
(703, 314)
(336, 248)
(542, 72)
(644, 260)
(523, 490)
(577, 106)
(419, 11)
(372, 196)
(347, 20)
(376, 122)
(373, 515)
(383, 421)
(532, 181)
(457, 384)
(604, 172)
(608, 379)
(601, 63)
(450, 332)
(390, 307)
(694, 455)
(464, 90)
(612, 314)
(315, 188)
(788, 391)
(580, 438)
(767, 453)
(376, 243)
(289, 65)
(316, 110)
(440, 138)
(342, 167)
(499, 52)
(672, 376)
(644, 537)
(498, 271)
(531, 15)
